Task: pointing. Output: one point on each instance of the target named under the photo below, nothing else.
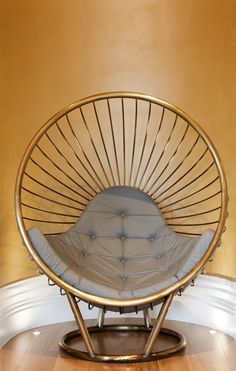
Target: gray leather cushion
(121, 247)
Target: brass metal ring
(122, 358)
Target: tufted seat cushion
(120, 247)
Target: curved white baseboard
(31, 303)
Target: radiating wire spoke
(63, 172)
(189, 183)
(192, 224)
(58, 180)
(188, 233)
(47, 221)
(124, 147)
(162, 153)
(80, 147)
(189, 205)
(193, 215)
(48, 211)
(93, 144)
(189, 194)
(113, 140)
(73, 152)
(50, 199)
(134, 139)
(151, 152)
(179, 165)
(184, 175)
(103, 142)
(63, 156)
(53, 190)
(170, 160)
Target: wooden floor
(204, 351)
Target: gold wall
(56, 51)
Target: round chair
(121, 201)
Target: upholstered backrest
(120, 247)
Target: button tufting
(92, 236)
(123, 278)
(122, 214)
(123, 260)
(122, 237)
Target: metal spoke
(151, 152)
(63, 172)
(186, 185)
(48, 211)
(58, 180)
(162, 153)
(123, 129)
(190, 195)
(170, 160)
(93, 144)
(134, 139)
(50, 199)
(103, 142)
(193, 215)
(53, 190)
(95, 180)
(113, 140)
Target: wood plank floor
(204, 351)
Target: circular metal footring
(125, 358)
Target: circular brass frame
(103, 301)
(122, 358)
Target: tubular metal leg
(157, 328)
(147, 318)
(147, 355)
(82, 327)
(101, 317)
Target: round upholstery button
(93, 236)
(122, 214)
(123, 260)
(151, 239)
(123, 278)
(122, 237)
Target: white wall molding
(31, 303)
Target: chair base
(122, 358)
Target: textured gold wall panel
(54, 52)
